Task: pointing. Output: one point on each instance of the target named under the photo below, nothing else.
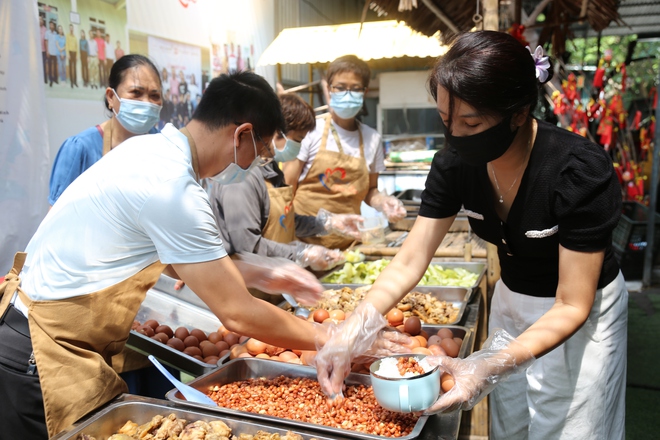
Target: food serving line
(182, 308)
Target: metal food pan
(474, 267)
(174, 312)
(111, 418)
(254, 368)
(458, 296)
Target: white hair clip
(541, 63)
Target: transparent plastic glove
(362, 334)
(477, 375)
(389, 205)
(279, 275)
(318, 257)
(340, 224)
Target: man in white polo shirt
(105, 242)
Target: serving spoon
(190, 393)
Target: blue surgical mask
(289, 152)
(138, 117)
(346, 104)
(233, 173)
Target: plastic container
(372, 230)
(630, 232)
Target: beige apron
(107, 138)
(335, 181)
(75, 370)
(281, 223)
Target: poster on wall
(232, 57)
(181, 71)
(79, 47)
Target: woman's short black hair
(238, 98)
(119, 68)
(349, 63)
(491, 71)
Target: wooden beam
(441, 15)
(491, 15)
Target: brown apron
(281, 223)
(107, 138)
(335, 181)
(74, 340)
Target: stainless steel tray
(253, 368)
(107, 421)
(458, 296)
(174, 312)
(474, 267)
(459, 331)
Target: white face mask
(289, 152)
(233, 173)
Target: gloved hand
(279, 275)
(363, 333)
(340, 224)
(477, 375)
(318, 257)
(389, 205)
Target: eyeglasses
(262, 159)
(341, 90)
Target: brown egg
(191, 341)
(414, 342)
(146, 330)
(450, 347)
(275, 358)
(446, 382)
(320, 315)
(245, 355)
(231, 338)
(209, 349)
(222, 346)
(395, 317)
(288, 355)
(223, 330)
(165, 329)
(176, 344)
(224, 353)
(243, 339)
(421, 339)
(422, 350)
(437, 350)
(412, 326)
(255, 347)
(211, 360)
(199, 358)
(152, 323)
(337, 315)
(262, 356)
(445, 333)
(161, 337)
(214, 337)
(193, 351)
(433, 340)
(400, 328)
(199, 334)
(135, 325)
(181, 333)
(294, 361)
(458, 341)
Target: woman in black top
(549, 200)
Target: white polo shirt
(350, 142)
(140, 203)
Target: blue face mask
(233, 173)
(346, 104)
(290, 151)
(138, 117)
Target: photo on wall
(181, 73)
(79, 47)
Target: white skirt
(578, 390)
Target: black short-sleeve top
(569, 195)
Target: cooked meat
(145, 431)
(220, 428)
(196, 431)
(171, 427)
(129, 428)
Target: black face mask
(484, 147)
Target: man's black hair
(238, 98)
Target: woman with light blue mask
(134, 100)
